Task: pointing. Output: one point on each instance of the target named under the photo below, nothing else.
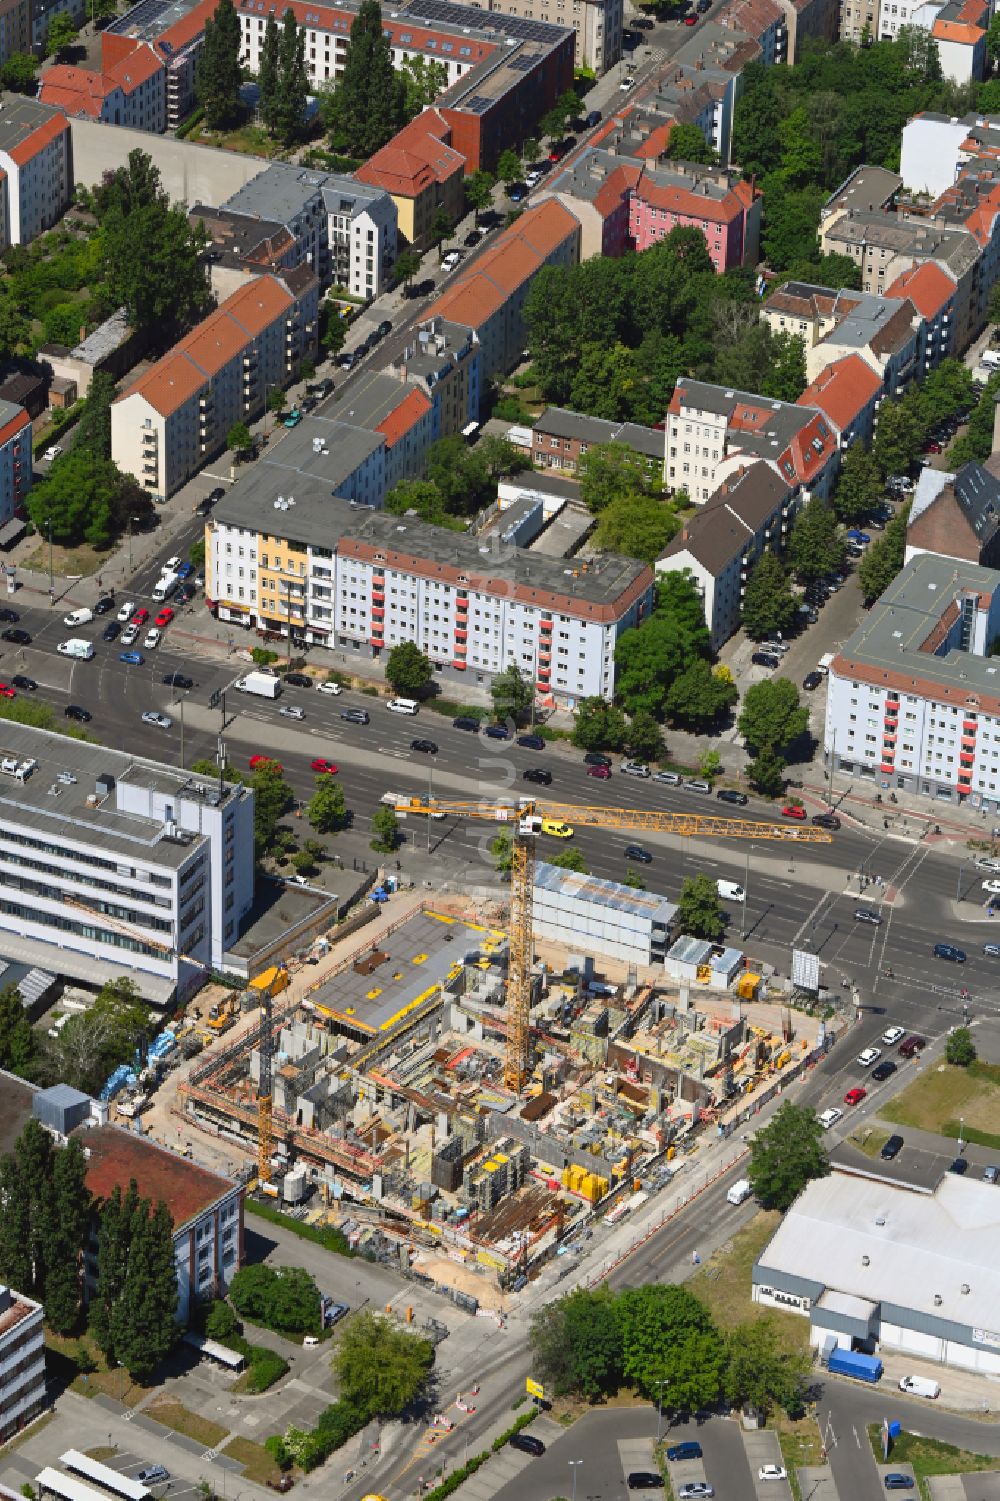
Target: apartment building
(935, 148)
(913, 699)
(627, 204)
(15, 28)
(849, 393)
(598, 26)
(176, 416)
(15, 460)
(22, 1362)
(113, 866)
(489, 296)
(422, 173)
(560, 439)
(175, 29)
(764, 20)
(702, 82)
(799, 308)
(886, 333)
(932, 292)
(35, 158)
(718, 545)
(956, 516)
(132, 92)
(443, 360)
(973, 203)
(713, 432)
(362, 581)
(244, 246)
(206, 1209)
(344, 230)
(960, 31)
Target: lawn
(724, 1283)
(115, 1383)
(927, 1456)
(66, 561)
(176, 1416)
(939, 1098)
(251, 140)
(868, 1140)
(257, 1463)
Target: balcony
(545, 625)
(969, 726)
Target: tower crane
(524, 820)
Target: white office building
(594, 916)
(22, 1361)
(111, 865)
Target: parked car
(152, 1475)
(695, 784)
(531, 742)
(793, 810)
(772, 1472)
(465, 722)
(728, 795)
(496, 732)
(528, 1444)
(896, 1481)
(596, 758)
(911, 1045)
(689, 1449)
(811, 681)
(958, 1166)
(830, 1117)
(298, 680)
(766, 659)
(669, 778)
(854, 1096)
(891, 1148)
(695, 1490)
(885, 1070)
(74, 711)
(868, 1056)
(634, 769)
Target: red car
(140, 617)
(165, 616)
(602, 772)
(933, 448)
(6, 691)
(256, 761)
(328, 766)
(854, 1096)
(792, 811)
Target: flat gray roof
(611, 894)
(104, 340)
(46, 804)
(282, 191)
(20, 116)
(866, 188)
(372, 398)
(956, 247)
(785, 418)
(866, 1237)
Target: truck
(263, 684)
(740, 1192)
(165, 586)
(853, 1363)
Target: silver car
(162, 721)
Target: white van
(731, 891)
(919, 1386)
(740, 1192)
(990, 359)
(164, 587)
(403, 705)
(78, 617)
(77, 647)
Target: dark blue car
(690, 1449)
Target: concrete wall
(190, 173)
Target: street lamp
(574, 1465)
(131, 519)
(659, 1406)
(52, 577)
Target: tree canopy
(768, 604)
(218, 74)
(785, 1154)
(772, 717)
(368, 104)
(380, 1366)
(408, 670)
(699, 909)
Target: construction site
(469, 1094)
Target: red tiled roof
(417, 156)
(78, 91)
(186, 29)
(473, 298)
(687, 200)
(810, 461)
(115, 1157)
(956, 31)
(13, 427)
(39, 139)
(843, 390)
(136, 69)
(927, 286)
(403, 418)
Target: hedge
(458, 1477)
(327, 1236)
(265, 1368)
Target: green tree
(698, 698)
(327, 811)
(407, 265)
(598, 725)
(441, 227)
(15, 1245)
(285, 1299)
(368, 105)
(644, 737)
(91, 1045)
(293, 81)
(61, 34)
(668, 1336)
(239, 438)
(479, 191)
(638, 526)
(790, 225)
(277, 401)
(785, 1155)
(814, 546)
(767, 773)
(898, 437)
(502, 850)
(509, 167)
(859, 486)
(113, 1236)
(17, 1037)
(772, 717)
(381, 1367)
(269, 72)
(687, 144)
(762, 1372)
(699, 910)
(68, 1232)
(273, 798)
(768, 605)
(576, 1344)
(773, 365)
(512, 693)
(569, 859)
(408, 670)
(385, 828)
(960, 1048)
(883, 559)
(155, 267)
(85, 499)
(19, 73)
(218, 75)
(93, 431)
(531, 150)
(613, 472)
(143, 1324)
(424, 80)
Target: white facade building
(595, 916)
(35, 157)
(114, 866)
(913, 702)
(22, 1361)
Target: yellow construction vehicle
(523, 819)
